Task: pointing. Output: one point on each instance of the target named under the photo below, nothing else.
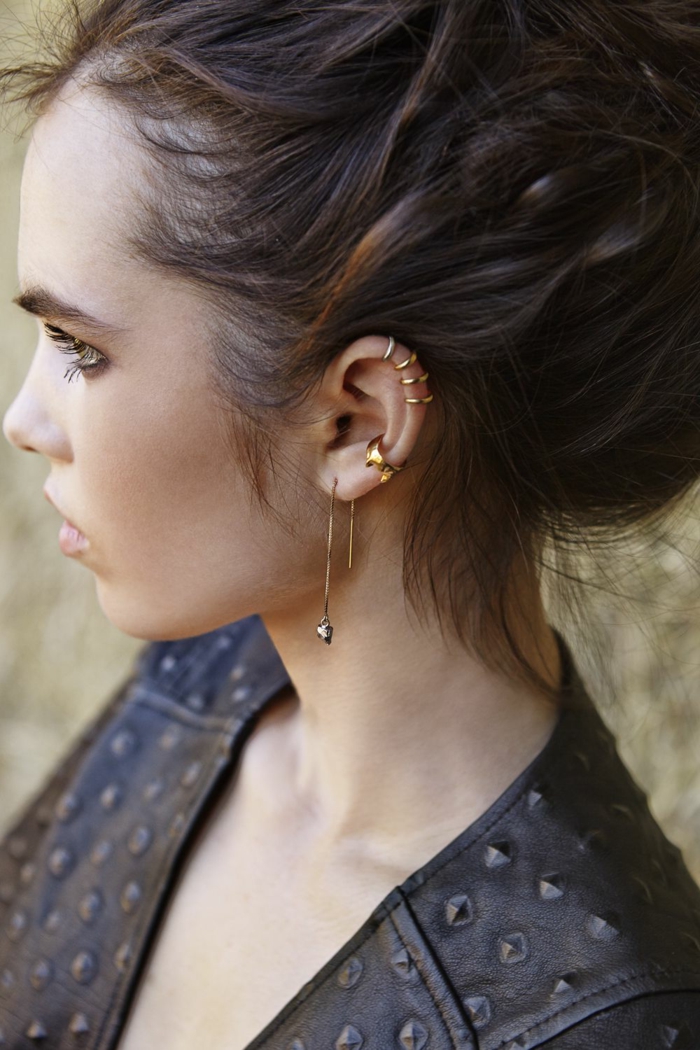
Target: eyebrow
(42, 303)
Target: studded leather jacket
(561, 918)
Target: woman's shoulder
(85, 862)
(187, 675)
(566, 907)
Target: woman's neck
(390, 739)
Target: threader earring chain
(324, 630)
(387, 470)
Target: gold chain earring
(324, 629)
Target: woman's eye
(90, 360)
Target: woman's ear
(363, 396)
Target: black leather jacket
(561, 918)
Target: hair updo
(509, 187)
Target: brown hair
(510, 189)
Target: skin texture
(137, 460)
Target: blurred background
(638, 648)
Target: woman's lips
(71, 540)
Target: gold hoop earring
(375, 459)
(404, 364)
(324, 629)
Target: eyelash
(93, 362)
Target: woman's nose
(27, 423)
(19, 423)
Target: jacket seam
(165, 705)
(619, 982)
(426, 984)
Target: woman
(435, 261)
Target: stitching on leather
(426, 985)
(655, 972)
(172, 709)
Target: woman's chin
(150, 619)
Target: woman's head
(258, 194)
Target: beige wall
(60, 658)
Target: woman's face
(136, 448)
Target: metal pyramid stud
(458, 909)
(67, 806)
(677, 1038)
(513, 948)
(349, 1039)
(79, 1024)
(111, 796)
(84, 967)
(413, 1035)
(402, 962)
(602, 927)
(123, 955)
(479, 1009)
(536, 797)
(36, 1031)
(497, 855)
(350, 974)
(41, 973)
(563, 984)
(551, 887)
(17, 924)
(90, 905)
(60, 861)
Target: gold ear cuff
(374, 458)
(404, 364)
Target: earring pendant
(324, 630)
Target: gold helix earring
(374, 458)
(324, 630)
(387, 470)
